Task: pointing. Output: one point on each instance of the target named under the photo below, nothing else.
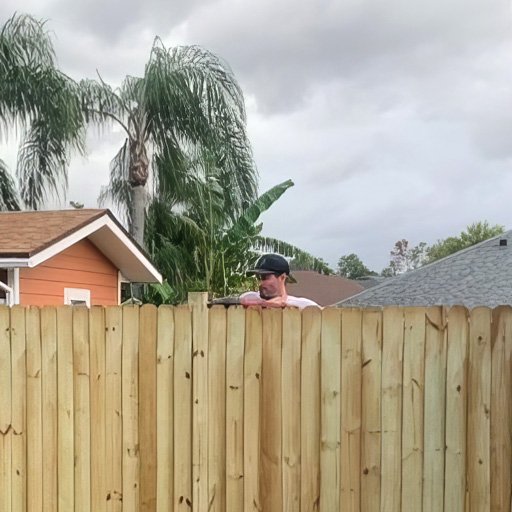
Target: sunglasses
(262, 277)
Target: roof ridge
(64, 210)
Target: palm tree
(188, 101)
(44, 105)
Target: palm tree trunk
(138, 193)
(139, 164)
(138, 213)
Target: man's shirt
(298, 302)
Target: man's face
(271, 285)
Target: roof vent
(503, 242)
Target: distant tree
(418, 255)
(387, 272)
(405, 258)
(474, 233)
(352, 267)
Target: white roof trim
(13, 262)
(80, 234)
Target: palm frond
(101, 104)
(173, 170)
(172, 239)
(41, 167)
(31, 85)
(25, 51)
(118, 191)
(163, 294)
(42, 101)
(189, 91)
(251, 215)
(9, 199)
(162, 221)
(26, 39)
(172, 99)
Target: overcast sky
(394, 119)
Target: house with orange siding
(68, 257)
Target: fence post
(200, 328)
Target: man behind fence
(272, 272)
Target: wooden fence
(196, 409)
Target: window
(77, 297)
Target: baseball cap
(272, 264)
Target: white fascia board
(133, 249)
(14, 262)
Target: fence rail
(224, 409)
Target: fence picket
(252, 392)
(456, 410)
(290, 399)
(310, 410)
(165, 409)
(392, 356)
(34, 412)
(65, 414)
(113, 408)
(5, 410)
(19, 404)
(501, 417)
(350, 498)
(82, 438)
(371, 410)
(330, 372)
(412, 408)
(271, 469)
(147, 407)
(97, 390)
(49, 405)
(235, 409)
(434, 417)
(479, 403)
(182, 409)
(200, 401)
(130, 408)
(217, 410)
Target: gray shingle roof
(480, 275)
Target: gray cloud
(392, 119)
(282, 50)
(120, 19)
